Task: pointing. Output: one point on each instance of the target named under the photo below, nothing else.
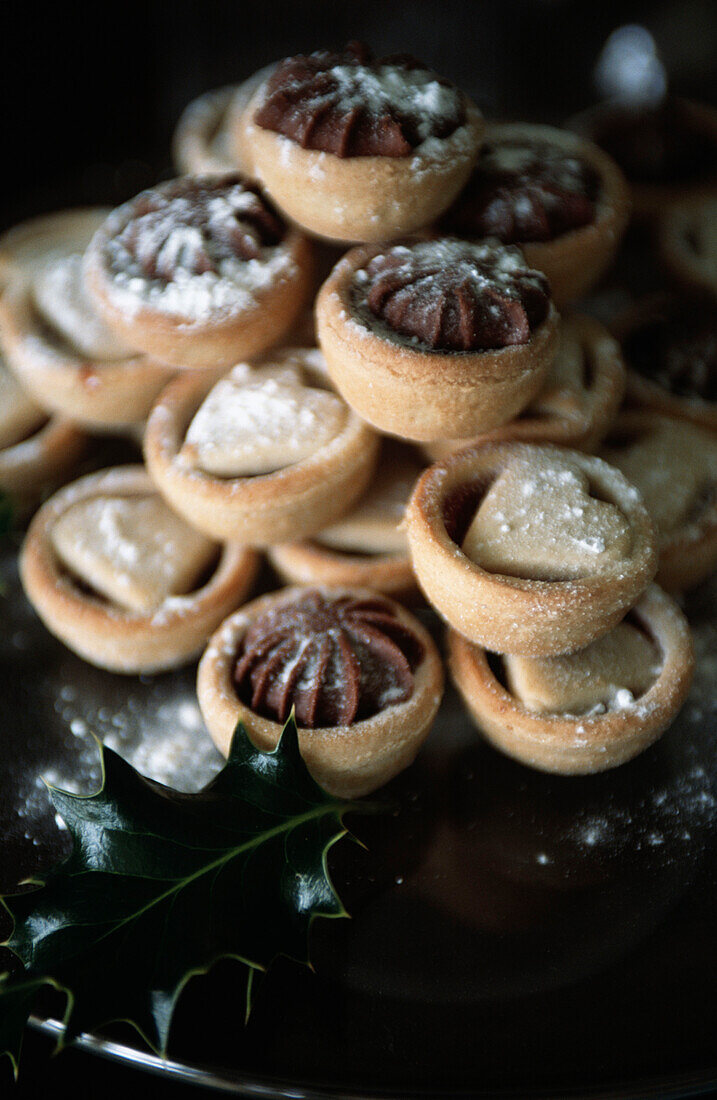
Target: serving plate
(512, 933)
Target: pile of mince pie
(346, 337)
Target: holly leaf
(160, 885)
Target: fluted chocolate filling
(353, 106)
(523, 191)
(335, 659)
(451, 295)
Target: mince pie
(434, 339)
(367, 547)
(669, 343)
(357, 149)
(362, 676)
(528, 549)
(562, 200)
(199, 272)
(266, 454)
(667, 151)
(579, 399)
(688, 243)
(673, 463)
(587, 711)
(36, 451)
(122, 580)
(201, 143)
(56, 341)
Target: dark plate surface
(512, 933)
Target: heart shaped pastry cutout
(674, 465)
(61, 298)
(260, 419)
(539, 521)
(609, 674)
(133, 550)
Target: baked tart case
(363, 676)
(581, 394)
(367, 547)
(673, 464)
(588, 711)
(356, 149)
(199, 272)
(667, 151)
(529, 550)
(687, 240)
(436, 338)
(265, 454)
(54, 338)
(557, 196)
(669, 343)
(122, 580)
(37, 451)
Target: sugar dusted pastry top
(194, 247)
(610, 674)
(20, 417)
(523, 190)
(260, 419)
(452, 295)
(60, 296)
(134, 551)
(335, 658)
(351, 105)
(539, 521)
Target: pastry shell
(580, 744)
(293, 502)
(575, 261)
(310, 563)
(354, 199)
(578, 418)
(421, 394)
(100, 393)
(688, 259)
(642, 391)
(650, 200)
(194, 343)
(509, 614)
(687, 554)
(103, 633)
(40, 463)
(24, 248)
(347, 761)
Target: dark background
(91, 93)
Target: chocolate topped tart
(336, 660)
(450, 295)
(352, 105)
(525, 190)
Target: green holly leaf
(160, 885)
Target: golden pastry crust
(650, 200)
(24, 248)
(417, 394)
(41, 462)
(687, 241)
(188, 334)
(575, 261)
(579, 399)
(94, 392)
(260, 510)
(512, 614)
(347, 761)
(587, 743)
(644, 392)
(674, 465)
(103, 633)
(310, 563)
(358, 198)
